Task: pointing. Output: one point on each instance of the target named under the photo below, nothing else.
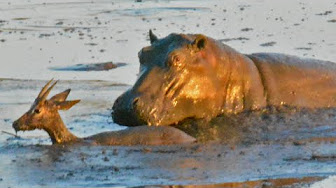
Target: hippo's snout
(124, 110)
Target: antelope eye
(37, 111)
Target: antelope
(43, 114)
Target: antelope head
(43, 114)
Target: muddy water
(256, 149)
(271, 124)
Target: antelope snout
(16, 126)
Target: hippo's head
(179, 78)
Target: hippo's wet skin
(194, 76)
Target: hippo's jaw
(146, 110)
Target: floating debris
(324, 13)
(247, 29)
(89, 67)
(268, 44)
(303, 48)
(232, 39)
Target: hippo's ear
(152, 37)
(200, 42)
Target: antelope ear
(61, 96)
(200, 42)
(152, 37)
(66, 105)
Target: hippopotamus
(186, 76)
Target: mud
(178, 165)
(297, 125)
(274, 148)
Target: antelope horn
(44, 89)
(46, 93)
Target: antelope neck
(58, 132)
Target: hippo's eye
(176, 58)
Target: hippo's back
(291, 60)
(296, 81)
